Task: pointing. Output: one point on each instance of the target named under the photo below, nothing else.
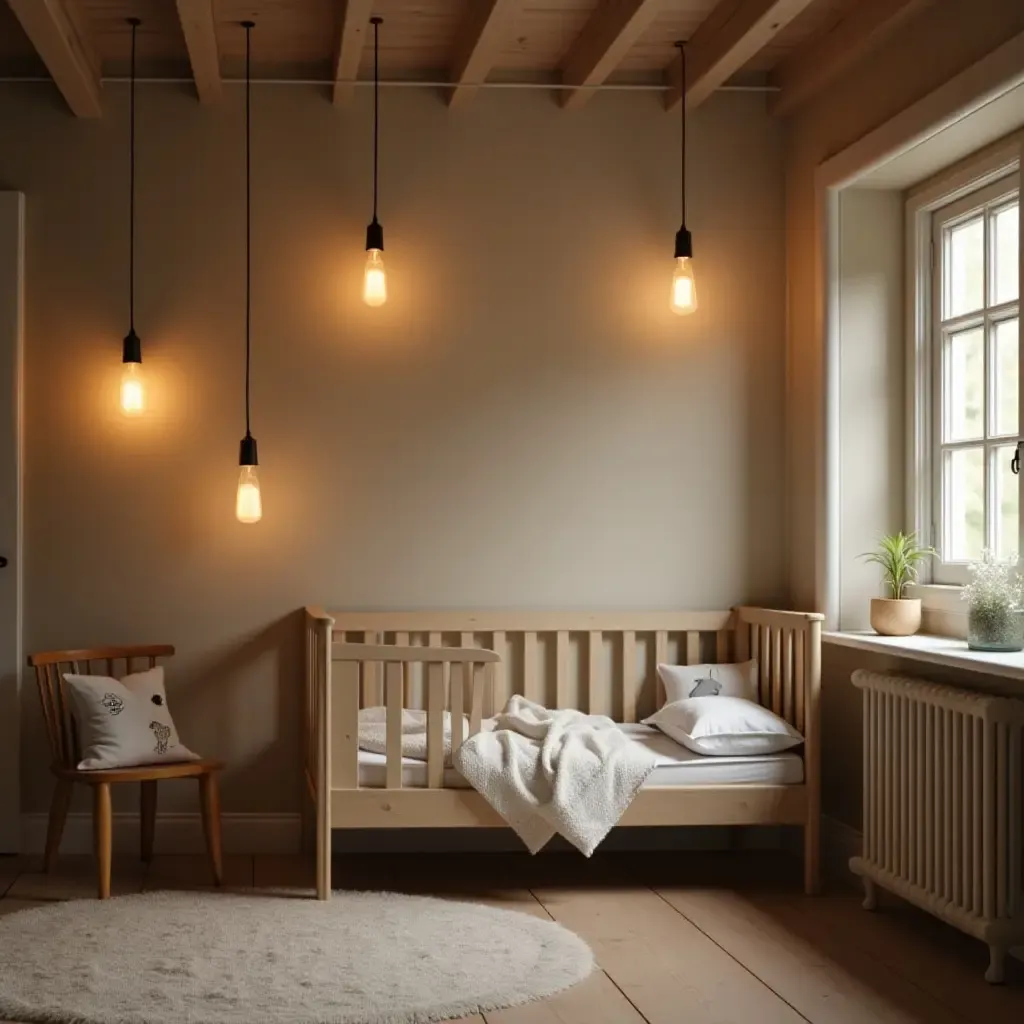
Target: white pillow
(724, 726)
(684, 681)
(126, 723)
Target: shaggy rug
(208, 958)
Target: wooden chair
(64, 747)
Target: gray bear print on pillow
(707, 687)
(162, 734)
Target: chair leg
(209, 800)
(58, 816)
(147, 819)
(102, 829)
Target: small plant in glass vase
(899, 555)
(995, 620)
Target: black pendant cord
(376, 106)
(248, 220)
(134, 22)
(682, 105)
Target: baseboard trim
(175, 833)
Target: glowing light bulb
(133, 394)
(684, 287)
(375, 282)
(248, 502)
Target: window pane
(965, 256)
(964, 401)
(1007, 499)
(964, 492)
(1007, 378)
(1005, 254)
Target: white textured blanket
(555, 771)
(373, 732)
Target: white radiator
(943, 800)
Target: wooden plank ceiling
(795, 47)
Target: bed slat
(629, 676)
(435, 726)
(344, 719)
(372, 696)
(456, 688)
(787, 676)
(499, 684)
(478, 686)
(594, 703)
(660, 658)
(530, 666)
(394, 688)
(776, 680)
(402, 640)
(562, 697)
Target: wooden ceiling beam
(733, 33)
(199, 29)
(822, 60)
(479, 45)
(68, 55)
(355, 28)
(612, 29)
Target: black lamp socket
(374, 236)
(247, 451)
(684, 243)
(131, 350)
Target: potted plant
(899, 555)
(995, 621)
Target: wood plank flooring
(679, 938)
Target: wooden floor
(680, 938)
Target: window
(973, 376)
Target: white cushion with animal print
(724, 727)
(122, 724)
(684, 681)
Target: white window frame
(988, 177)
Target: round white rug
(209, 958)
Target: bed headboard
(601, 662)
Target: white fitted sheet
(676, 766)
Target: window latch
(1015, 461)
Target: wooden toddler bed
(598, 662)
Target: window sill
(933, 650)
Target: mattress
(676, 766)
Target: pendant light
(133, 394)
(375, 282)
(248, 501)
(684, 286)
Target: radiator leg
(870, 896)
(996, 965)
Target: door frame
(12, 347)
